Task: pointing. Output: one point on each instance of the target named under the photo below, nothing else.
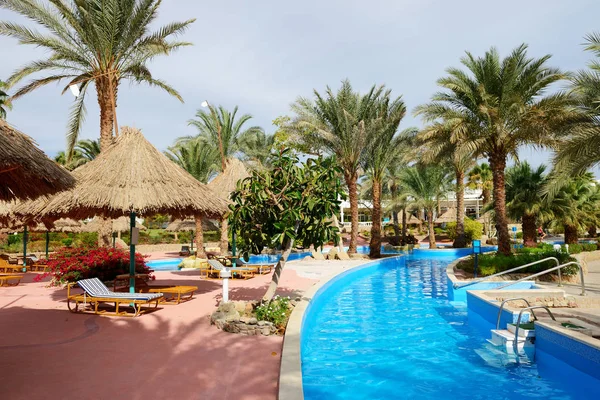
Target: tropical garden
(488, 107)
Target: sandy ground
(46, 352)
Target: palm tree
(425, 184)
(96, 41)
(480, 177)
(581, 150)
(523, 197)
(438, 146)
(256, 146)
(4, 101)
(200, 160)
(575, 206)
(84, 151)
(385, 147)
(498, 106)
(221, 129)
(337, 124)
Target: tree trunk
(439, 207)
(571, 234)
(461, 240)
(498, 164)
(107, 117)
(486, 196)
(353, 194)
(278, 270)
(394, 194)
(403, 222)
(431, 230)
(529, 230)
(200, 253)
(224, 243)
(375, 244)
(592, 231)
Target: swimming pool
(388, 331)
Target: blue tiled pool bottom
(389, 332)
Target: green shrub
(67, 242)
(212, 236)
(589, 246)
(519, 235)
(575, 248)
(473, 230)
(490, 264)
(277, 311)
(439, 231)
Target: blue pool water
(388, 331)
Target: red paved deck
(46, 352)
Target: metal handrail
(515, 342)
(550, 270)
(485, 278)
(502, 306)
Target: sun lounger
(174, 294)
(261, 268)
(317, 255)
(242, 272)
(9, 259)
(9, 280)
(185, 251)
(10, 268)
(96, 294)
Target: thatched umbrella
(189, 225)
(25, 171)
(132, 177)
(225, 183)
(447, 216)
(412, 220)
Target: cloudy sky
(262, 55)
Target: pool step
(504, 339)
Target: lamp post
(476, 252)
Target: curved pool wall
(387, 330)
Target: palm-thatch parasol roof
(412, 220)
(447, 216)
(133, 176)
(25, 171)
(179, 225)
(60, 225)
(226, 182)
(120, 224)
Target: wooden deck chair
(241, 272)
(317, 255)
(260, 268)
(9, 280)
(96, 295)
(333, 253)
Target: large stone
(261, 323)
(265, 331)
(234, 316)
(240, 306)
(245, 320)
(227, 307)
(252, 321)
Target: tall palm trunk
(432, 244)
(498, 164)
(485, 193)
(375, 244)
(394, 194)
(353, 195)
(107, 118)
(403, 222)
(224, 242)
(200, 253)
(529, 230)
(461, 240)
(571, 234)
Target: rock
(240, 306)
(245, 320)
(217, 315)
(265, 331)
(252, 321)
(235, 317)
(227, 307)
(262, 323)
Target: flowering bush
(104, 263)
(277, 311)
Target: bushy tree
(291, 202)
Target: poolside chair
(96, 294)
(333, 253)
(9, 280)
(261, 268)
(9, 259)
(242, 272)
(10, 268)
(185, 251)
(317, 255)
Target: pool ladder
(511, 341)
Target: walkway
(48, 353)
